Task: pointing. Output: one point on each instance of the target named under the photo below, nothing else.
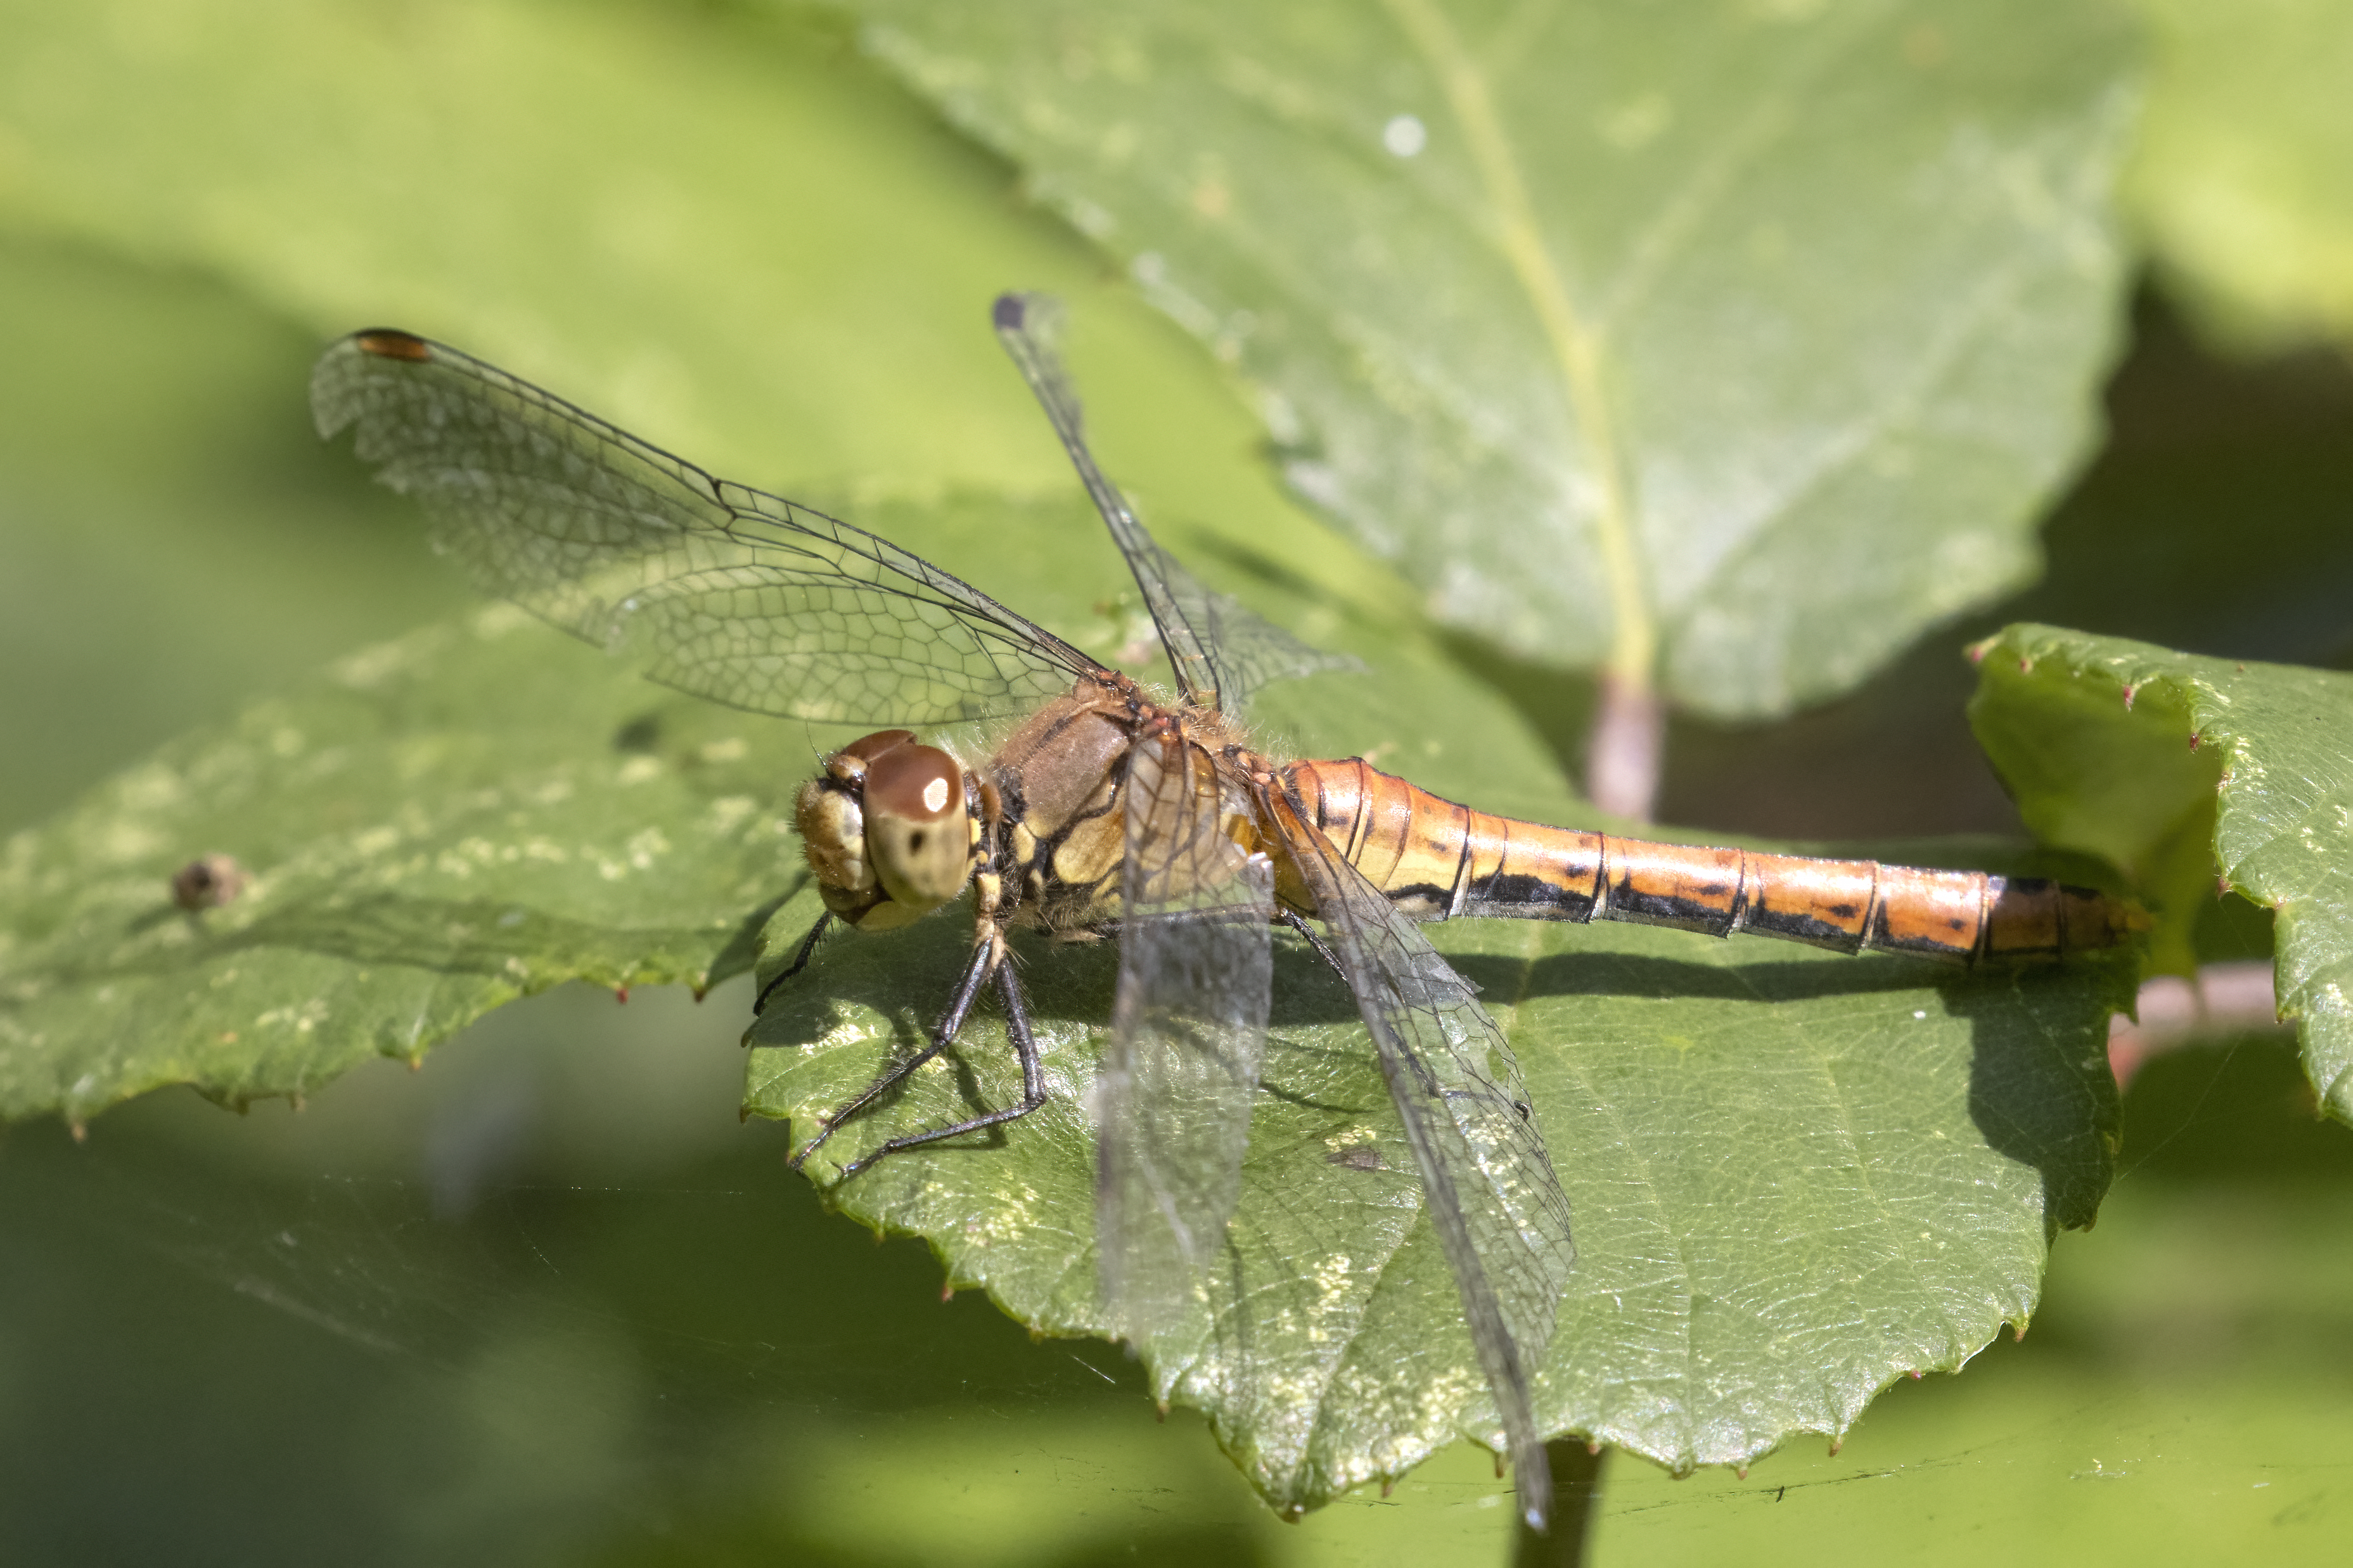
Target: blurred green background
(504, 1309)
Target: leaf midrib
(1575, 346)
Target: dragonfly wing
(1247, 650)
(717, 589)
(1220, 651)
(1494, 1198)
(1172, 1101)
(1029, 326)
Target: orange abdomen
(1438, 860)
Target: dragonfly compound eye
(852, 761)
(918, 833)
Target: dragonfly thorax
(888, 829)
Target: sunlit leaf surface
(445, 824)
(1609, 327)
(1796, 1177)
(2240, 180)
(651, 212)
(2182, 767)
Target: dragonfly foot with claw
(800, 961)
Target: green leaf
(1796, 1178)
(2177, 767)
(445, 823)
(1853, 1165)
(712, 228)
(1609, 327)
(2239, 182)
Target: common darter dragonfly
(1113, 809)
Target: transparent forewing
(1497, 1204)
(1172, 1101)
(717, 589)
(1246, 650)
(1028, 325)
(1220, 651)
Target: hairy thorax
(1060, 777)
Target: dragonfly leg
(985, 956)
(799, 963)
(1298, 922)
(1033, 1080)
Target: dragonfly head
(887, 829)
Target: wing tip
(391, 342)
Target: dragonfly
(1111, 808)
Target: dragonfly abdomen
(1437, 860)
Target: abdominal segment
(1437, 860)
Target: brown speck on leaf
(1499, 1466)
(207, 882)
(2193, 740)
(1388, 1485)
(80, 1131)
(2018, 1331)
(620, 993)
(2242, 669)
(2025, 665)
(948, 1290)
(2130, 692)
(1836, 1443)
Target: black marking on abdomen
(1800, 925)
(1675, 910)
(1521, 896)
